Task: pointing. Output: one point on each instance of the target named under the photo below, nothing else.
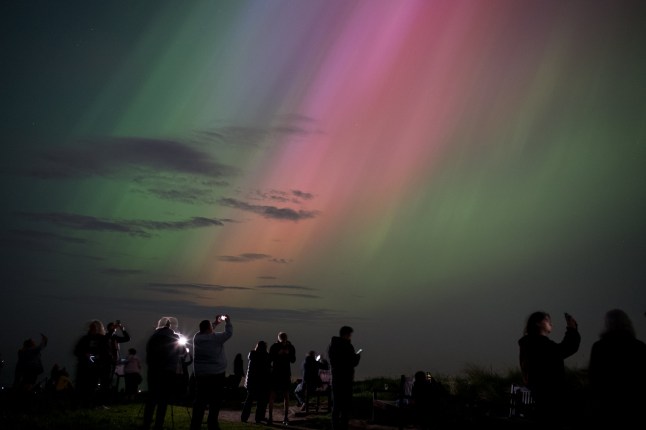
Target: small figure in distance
(209, 367)
(343, 360)
(543, 367)
(617, 373)
(132, 374)
(257, 382)
(234, 379)
(281, 354)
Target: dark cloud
(271, 212)
(250, 257)
(107, 156)
(185, 195)
(280, 260)
(303, 195)
(294, 196)
(243, 258)
(140, 228)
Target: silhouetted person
(185, 378)
(209, 367)
(116, 334)
(132, 374)
(617, 374)
(257, 382)
(311, 380)
(163, 351)
(281, 354)
(92, 352)
(234, 379)
(29, 365)
(542, 365)
(428, 399)
(343, 360)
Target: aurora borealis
(428, 172)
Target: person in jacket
(29, 365)
(311, 378)
(543, 367)
(257, 382)
(163, 351)
(93, 366)
(343, 360)
(617, 373)
(209, 367)
(281, 354)
(114, 340)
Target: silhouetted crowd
(616, 374)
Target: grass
(477, 395)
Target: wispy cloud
(121, 272)
(112, 155)
(280, 260)
(243, 258)
(189, 195)
(187, 308)
(290, 291)
(303, 195)
(267, 211)
(183, 288)
(251, 257)
(286, 287)
(141, 228)
(293, 196)
(44, 236)
(246, 135)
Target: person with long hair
(257, 382)
(543, 366)
(93, 377)
(617, 373)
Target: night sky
(427, 172)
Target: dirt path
(300, 420)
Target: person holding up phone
(343, 360)
(542, 365)
(209, 366)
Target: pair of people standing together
(616, 371)
(269, 374)
(163, 355)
